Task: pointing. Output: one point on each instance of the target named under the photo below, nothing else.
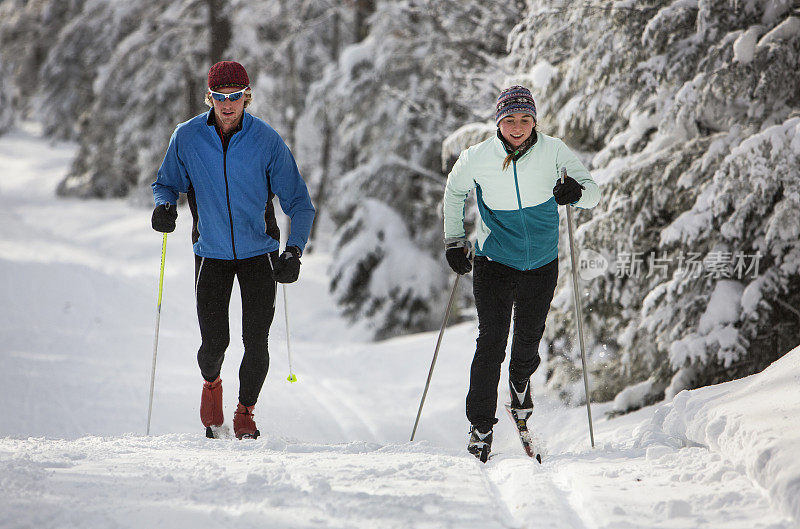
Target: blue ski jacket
(231, 186)
(518, 215)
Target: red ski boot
(211, 406)
(244, 427)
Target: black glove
(458, 260)
(568, 192)
(286, 269)
(164, 218)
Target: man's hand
(568, 192)
(287, 267)
(164, 218)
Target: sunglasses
(235, 96)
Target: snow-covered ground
(78, 281)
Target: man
(231, 164)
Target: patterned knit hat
(227, 73)
(512, 100)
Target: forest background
(686, 112)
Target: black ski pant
(213, 286)
(498, 289)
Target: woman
(516, 254)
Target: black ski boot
(520, 409)
(521, 396)
(480, 443)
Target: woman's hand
(567, 192)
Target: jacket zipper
(522, 216)
(227, 193)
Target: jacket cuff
(457, 242)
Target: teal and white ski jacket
(518, 214)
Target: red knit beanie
(227, 73)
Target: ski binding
(520, 417)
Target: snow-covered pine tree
(286, 45)
(152, 79)
(425, 68)
(688, 112)
(118, 77)
(80, 47)
(29, 29)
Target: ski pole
(158, 322)
(435, 354)
(291, 377)
(578, 312)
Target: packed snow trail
(182, 480)
(79, 282)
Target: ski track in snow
(79, 283)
